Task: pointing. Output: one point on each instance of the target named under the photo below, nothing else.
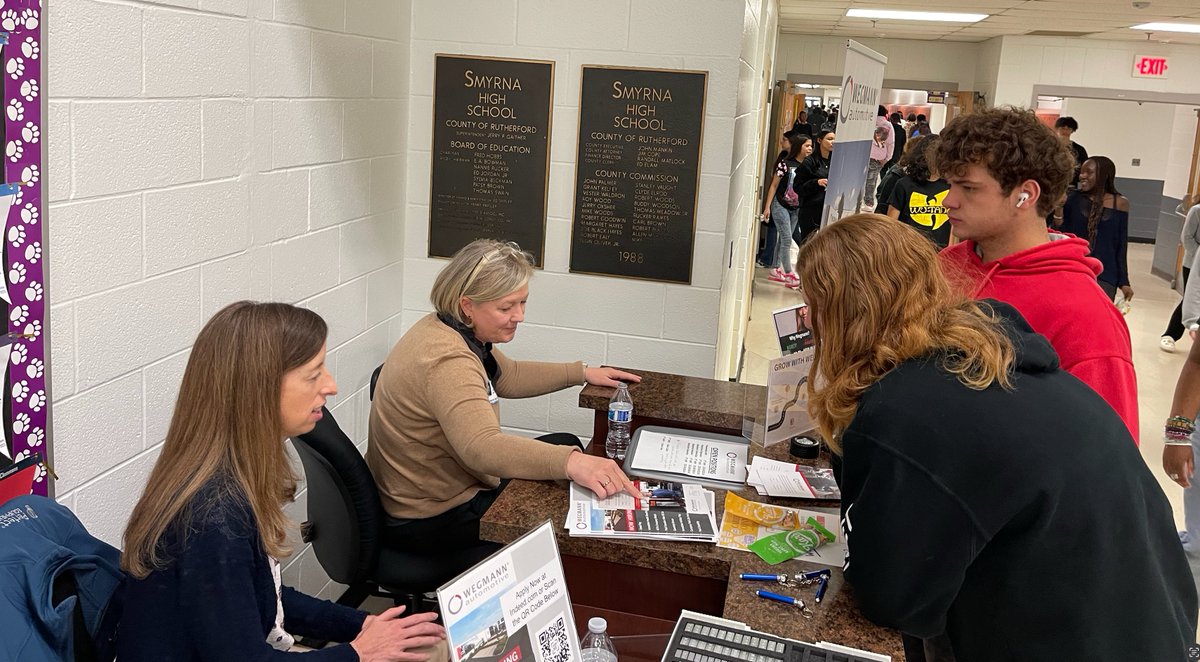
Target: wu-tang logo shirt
(922, 205)
(927, 210)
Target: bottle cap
(804, 447)
(597, 624)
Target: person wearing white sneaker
(1190, 239)
(782, 208)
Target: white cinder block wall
(615, 321)
(201, 152)
(760, 20)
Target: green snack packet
(779, 547)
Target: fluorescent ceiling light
(1168, 27)
(902, 15)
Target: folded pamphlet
(662, 511)
(786, 479)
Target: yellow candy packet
(765, 514)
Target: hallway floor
(1157, 370)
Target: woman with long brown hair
(203, 544)
(975, 472)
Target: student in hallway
(882, 146)
(1097, 211)
(811, 179)
(783, 205)
(1006, 171)
(1065, 127)
(1014, 523)
(1189, 237)
(917, 198)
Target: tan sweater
(435, 440)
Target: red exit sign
(1149, 66)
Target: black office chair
(345, 526)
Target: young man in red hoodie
(1007, 171)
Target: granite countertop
(697, 400)
(526, 504)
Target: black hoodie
(1023, 524)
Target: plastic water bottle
(597, 646)
(620, 413)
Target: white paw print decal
(19, 391)
(36, 368)
(30, 89)
(36, 437)
(34, 291)
(39, 473)
(16, 235)
(16, 274)
(29, 213)
(37, 400)
(19, 354)
(15, 68)
(30, 18)
(14, 150)
(33, 329)
(31, 174)
(33, 252)
(16, 110)
(31, 133)
(30, 48)
(8, 19)
(18, 315)
(20, 423)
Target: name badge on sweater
(491, 391)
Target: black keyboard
(702, 641)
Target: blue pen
(815, 574)
(750, 577)
(787, 600)
(821, 588)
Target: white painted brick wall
(213, 150)
(616, 321)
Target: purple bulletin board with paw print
(23, 290)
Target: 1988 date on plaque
(632, 256)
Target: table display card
(513, 605)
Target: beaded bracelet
(1176, 442)
(1181, 422)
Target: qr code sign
(554, 642)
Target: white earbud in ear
(1022, 199)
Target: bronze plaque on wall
(491, 152)
(637, 172)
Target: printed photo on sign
(792, 329)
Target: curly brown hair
(1013, 145)
(915, 161)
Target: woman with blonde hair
(436, 448)
(204, 542)
(992, 504)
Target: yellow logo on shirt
(928, 210)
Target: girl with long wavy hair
(204, 543)
(973, 470)
(1097, 212)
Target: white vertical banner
(862, 81)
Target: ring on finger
(1174, 476)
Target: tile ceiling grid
(1100, 19)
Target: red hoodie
(1054, 286)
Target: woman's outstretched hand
(390, 638)
(605, 376)
(599, 474)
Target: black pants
(458, 527)
(1175, 326)
(1109, 289)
